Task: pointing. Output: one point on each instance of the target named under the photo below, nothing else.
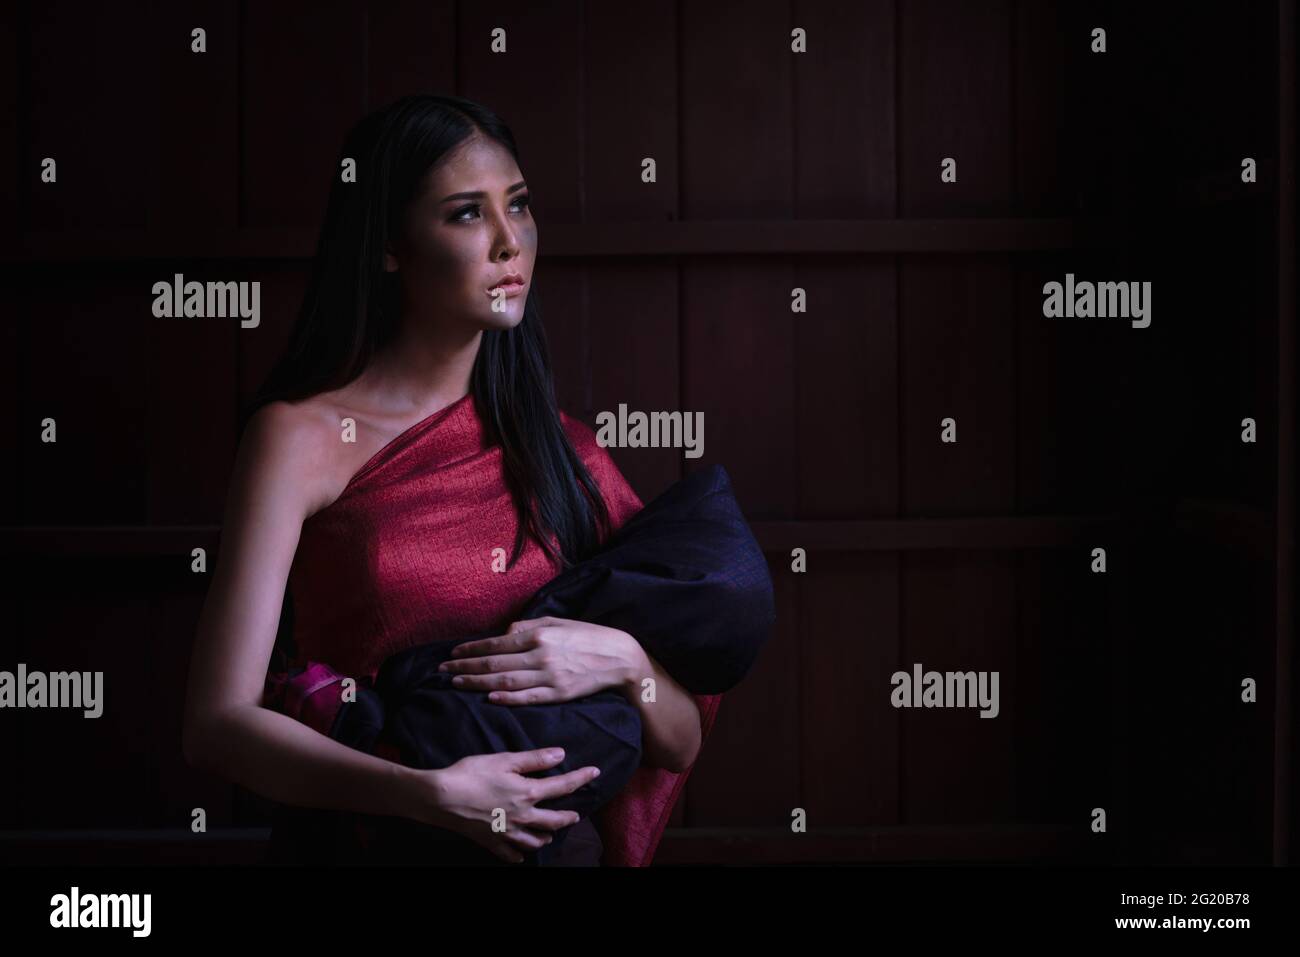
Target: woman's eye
(521, 202)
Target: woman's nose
(505, 235)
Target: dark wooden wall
(775, 171)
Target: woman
(406, 471)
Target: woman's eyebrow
(479, 194)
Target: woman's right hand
(466, 797)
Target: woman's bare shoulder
(294, 445)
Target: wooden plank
(537, 37)
(846, 407)
(748, 771)
(958, 614)
(992, 532)
(1286, 810)
(13, 333)
(904, 845)
(1045, 168)
(88, 628)
(1165, 108)
(118, 541)
(846, 352)
(1068, 429)
(81, 372)
(845, 152)
(299, 99)
(1232, 526)
(957, 361)
(12, 651)
(1094, 84)
(172, 619)
(120, 847)
(635, 359)
(89, 67)
(191, 371)
(14, 117)
(737, 136)
(409, 48)
(560, 288)
(601, 240)
(193, 161)
(259, 347)
(632, 308)
(735, 314)
(1237, 528)
(249, 845)
(849, 644)
(1211, 769)
(959, 111)
(1066, 649)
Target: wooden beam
(1228, 524)
(1283, 727)
(597, 240)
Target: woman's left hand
(547, 659)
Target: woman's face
(468, 230)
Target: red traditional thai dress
(409, 554)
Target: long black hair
(350, 310)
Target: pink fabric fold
(311, 696)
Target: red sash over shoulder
(408, 554)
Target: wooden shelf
(914, 534)
(121, 540)
(1229, 524)
(875, 845)
(593, 240)
(679, 846)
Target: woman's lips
(509, 289)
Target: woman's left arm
(670, 720)
(559, 659)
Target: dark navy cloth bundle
(684, 576)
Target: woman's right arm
(227, 731)
(280, 472)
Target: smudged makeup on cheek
(528, 245)
(472, 261)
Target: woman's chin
(504, 321)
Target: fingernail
(597, 774)
(557, 754)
